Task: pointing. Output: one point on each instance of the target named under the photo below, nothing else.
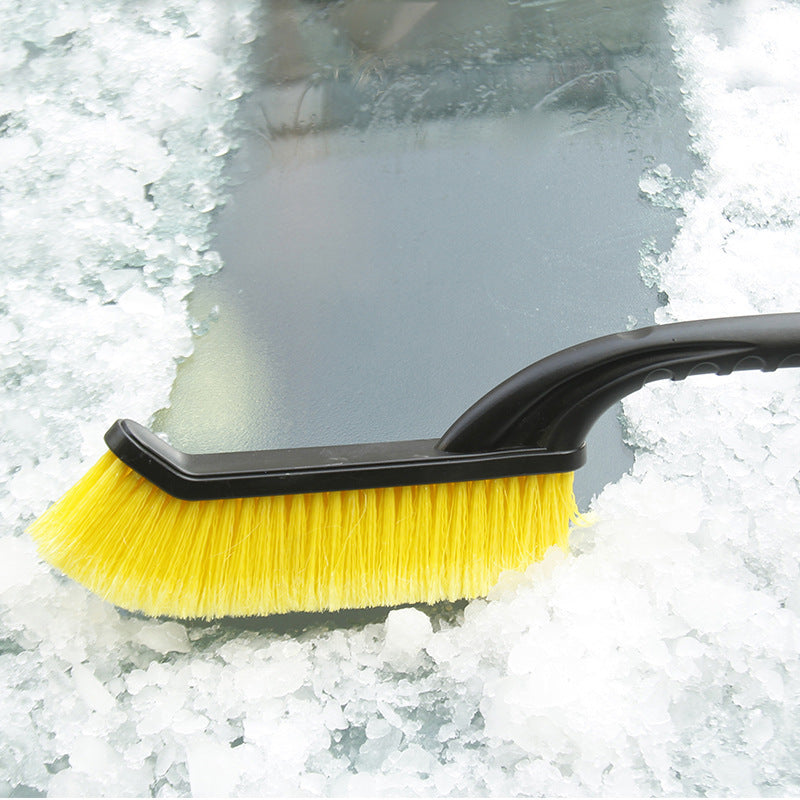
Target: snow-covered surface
(660, 658)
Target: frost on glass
(659, 658)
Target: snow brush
(253, 533)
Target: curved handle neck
(554, 403)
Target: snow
(660, 657)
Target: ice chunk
(333, 717)
(94, 694)
(661, 188)
(166, 637)
(92, 755)
(18, 561)
(214, 768)
(408, 630)
(377, 728)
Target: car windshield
(429, 196)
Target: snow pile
(112, 124)
(661, 658)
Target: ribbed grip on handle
(554, 402)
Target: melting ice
(660, 658)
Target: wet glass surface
(429, 197)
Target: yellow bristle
(136, 546)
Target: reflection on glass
(355, 64)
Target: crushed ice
(660, 658)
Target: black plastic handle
(535, 422)
(553, 403)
